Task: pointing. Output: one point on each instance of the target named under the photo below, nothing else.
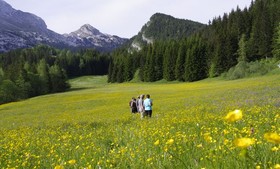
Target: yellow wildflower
(272, 137)
(59, 167)
(274, 149)
(207, 137)
(226, 141)
(199, 146)
(170, 141)
(72, 162)
(234, 116)
(258, 167)
(156, 143)
(243, 142)
(277, 166)
(149, 159)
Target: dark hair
(148, 96)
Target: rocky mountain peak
(20, 29)
(86, 31)
(89, 28)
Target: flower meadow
(205, 125)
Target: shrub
(257, 68)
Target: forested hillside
(239, 36)
(41, 70)
(164, 27)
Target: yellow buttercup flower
(243, 142)
(170, 141)
(272, 137)
(59, 167)
(149, 159)
(234, 116)
(72, 162)
(207, 137)
(277, 166)
(274, 149)
(199, 145)
(156, 143)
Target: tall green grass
(91, 126)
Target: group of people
(142, 105)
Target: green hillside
(91, 126)
(162, 27)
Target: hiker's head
(148, 96)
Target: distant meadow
(208, 124)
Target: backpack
(132, 104)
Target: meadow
(209, 124)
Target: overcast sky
(123, 18)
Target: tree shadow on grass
(79, 88)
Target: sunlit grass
(91, 126)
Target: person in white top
(141, 108)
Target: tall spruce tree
(43, 72)
(242, 56)
(158, 50)
(180, 62)
(260, 37)
(148, 68)
(276, 43)
(196, 65)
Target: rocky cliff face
(20, 29)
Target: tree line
(41, 70)
(242, 35)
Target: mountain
(88, 36)
(20, 29)
(164, 27)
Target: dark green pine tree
(8, 91)
(259, 45)
(201, 60)
(180, 62)
(218, 62)
(158, 57)
(148, 68)
(242, 56)
(120, 71)
(114, 72)
(169, 61)
(196, 65)
(128, 68)
(2, 75)
(142, 62)
(110, 72)
(58, 79)
(23, 85)
(43, 72)
(166, 64)
(276, 43)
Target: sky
(123, 18)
